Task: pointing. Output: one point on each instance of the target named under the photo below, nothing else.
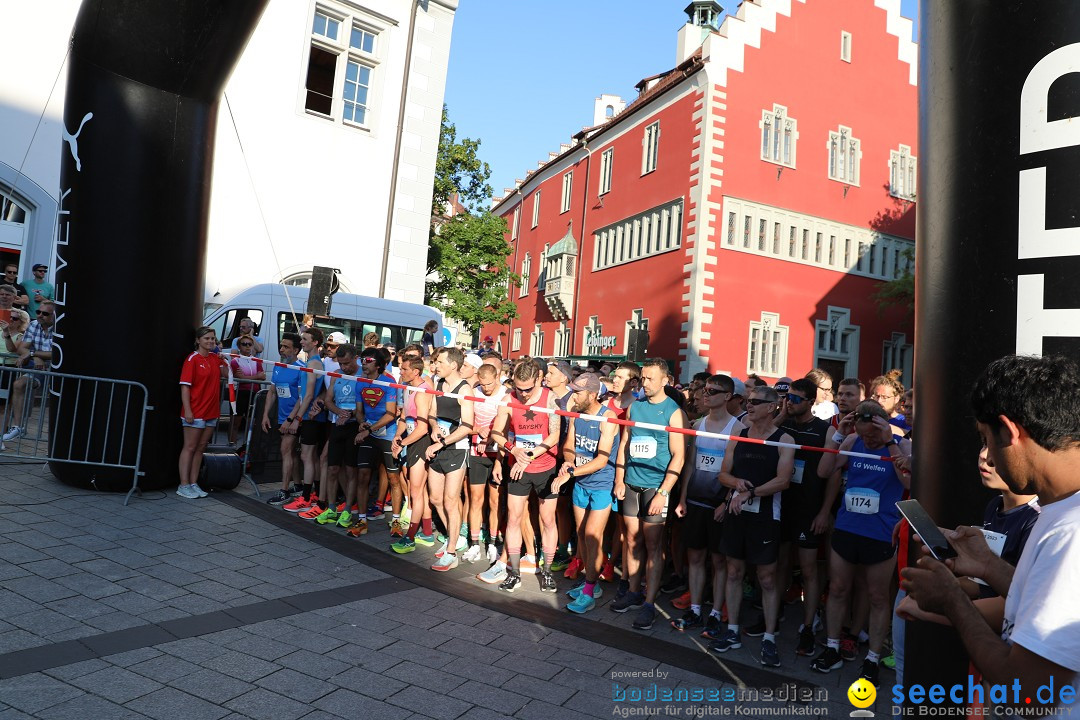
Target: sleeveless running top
(648, 453)
(375, 399)
(288, 384)
(620, 413)
(530, 428)
(704, 489)
(870, 496)
(410, 406)
(586, 445)
(757, 465)
(345, 392)
(448, 413)
(483, 417)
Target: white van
(268, 307)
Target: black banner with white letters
(144, 80)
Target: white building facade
(329, 125)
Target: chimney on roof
(703, 18)
(606, 107)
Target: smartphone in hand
(927, 529)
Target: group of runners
(490, 472)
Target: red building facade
(744, 208)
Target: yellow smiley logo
(862, 693)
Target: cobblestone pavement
(227, 608)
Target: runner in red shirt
(200, 398)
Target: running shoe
(474, 554)
(511, 583)
(582, 604)
(889, 661)
(805, 645)
(358, 528)
(528, 565)
(328, 516)
(494, 574)
(199, 492)
(403, 545)
(560, 562)
(579, 589)
(396, 530)
(870, 672)
(388, 505)
(769, 656)
(675, 584)
(575, 568)
(728, 641)
(607, 573)
(688, 621)
(756, 629)
(848, 647)
(492, 553)
(547, 583)
(645, 617)
(629, 601)
(448, 561)
(279, 498)
(682, 602)
(15, 432)
(827, 661)
(299, 504)
(184, 491)
(424, 540)
(375, 512)
(345, 520)
(714, 628)
(313, 513)
(441, 551)
(341, 507)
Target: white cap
(474, 360)
(338, 338)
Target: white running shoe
(473, 554)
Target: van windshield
(355, 330)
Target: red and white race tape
(571, 414)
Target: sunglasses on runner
(758, 401)
(795, 399)
(715, 391)
(524, 391)
(865, 417)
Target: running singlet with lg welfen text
(530, 427)
(870, 496)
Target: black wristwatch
(570, 472)
(753, 492)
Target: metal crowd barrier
(107, 419)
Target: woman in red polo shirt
(200, 398)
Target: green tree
(467, 268)
(900, 291)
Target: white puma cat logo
(73, 141)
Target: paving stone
(577, 661)
(577, 680)
(476, 635)
(212, 686)
(78, 608)
(134, 559)
(87, 706)
(478, 693)
(265, 705)
(107, 569)
(419, 654)
(42, 621)
(538, 669)
(215, 590)
(132, 657)
(299, 687)
(74, 670)
(348, 704)
(472, 651)
(49, 568)
(371, 684)
(313, 664)
(113, 621)
(410, 617)
(195, 650)
(589, 703)
(116, 684)
(14, 640)
(164, 668)
(162, 614)
(260, 647)
(242, 667)
(437, 680)
(75, 632)
(166, 704)
(131, 602)
(434, 705)
(90, 585)
(527, 687)
(195, 604)
(35, 692)
(172, 574)
(152, 588)
(482, 713)
(540, 710)
(9, 571)
(35, 538)
(514, 644)
(38, 589)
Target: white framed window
(562, 340)
(896, 353)
(779, 134)
(343, 63)
(536, 341)
(650, 146)
(526, 272)
(592, 330)
(845, 46)
(845, 156)
(902, 166)
(652, 232)
(536, 209)
(606, 159)
(514, 224)
(515, 340)
(837, 340)
(768, 343)
(567, 191)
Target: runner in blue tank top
(287, 392)
(589, 453)
(653, 460)
(863, 532)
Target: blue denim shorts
(199, 423)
